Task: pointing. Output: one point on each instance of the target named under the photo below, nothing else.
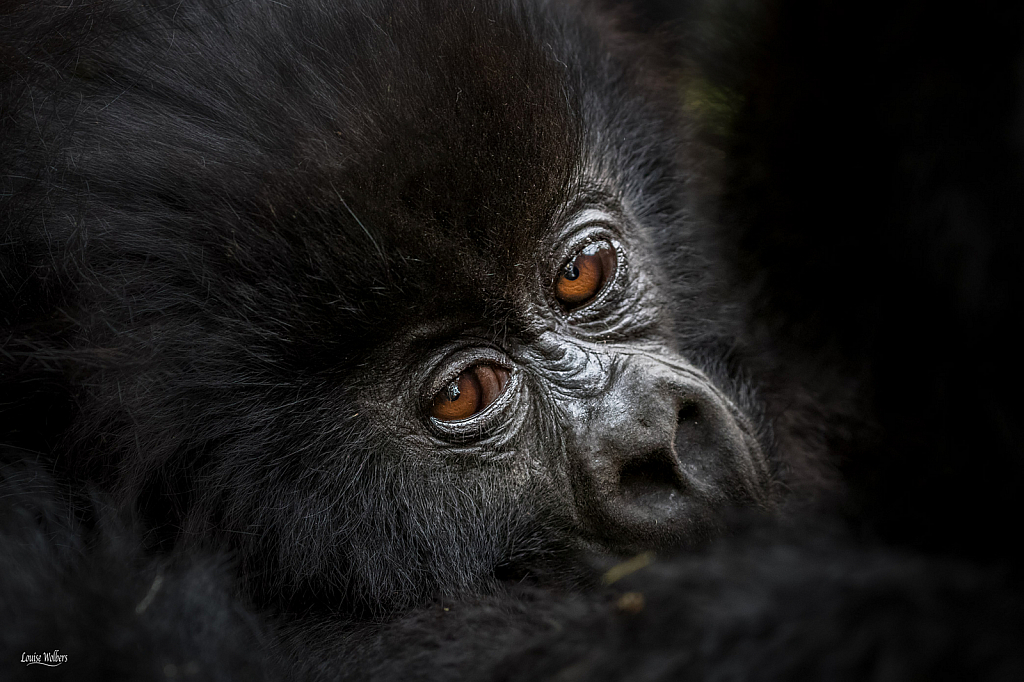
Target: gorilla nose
(652, 479)
(658, 466)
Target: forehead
(456, 153)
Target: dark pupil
(571, 271)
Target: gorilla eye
(586, 274)
(469, 393)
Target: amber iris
(472, 391)
(586, 275)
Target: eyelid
(447, 366)
(588, 217)
(587, 226)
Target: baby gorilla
(347, 340)
(382, 298)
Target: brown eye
(586, 275)
(473, 390)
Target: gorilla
(492, 340)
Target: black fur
(221, 220)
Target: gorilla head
(382, 296)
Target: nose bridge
(577, 372)
(635, 397)
(638, 404)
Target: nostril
(649, 479)
(689, 411)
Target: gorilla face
(548, 408)
(381, 296)
(573, 403)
